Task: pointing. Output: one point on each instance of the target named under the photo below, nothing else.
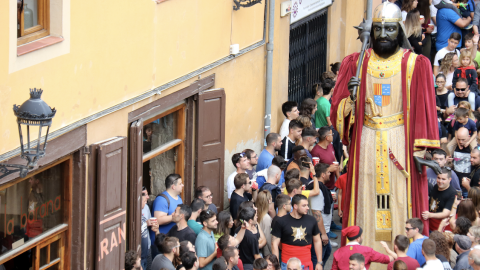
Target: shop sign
(35, 214)
(112, 242)
(303, 8)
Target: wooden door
(135, 186)
(111, 204)
(211, 142)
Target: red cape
(421, 130)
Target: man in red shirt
(354, 235)
(326, 153)
(341, 185)
(400, 246)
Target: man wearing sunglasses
(413, 230)
(462, 93)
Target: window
(33, 19)
(163, 147)
(34, 217)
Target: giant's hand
(354, 81)
(429, 163)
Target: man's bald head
(273, 171)
(462, 136)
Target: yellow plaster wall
(120, 49)
(280, 67)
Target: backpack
(150, 203)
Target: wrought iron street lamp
(32, 113)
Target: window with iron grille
(307, 56)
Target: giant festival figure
(388, 126)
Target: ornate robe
(393, 120)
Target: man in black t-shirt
(295, 133)
(461, 157)
(297, 232)
(283, 205)
(181, 229)
(249, 249)
(241, 193)
(441, 199)
(473, 179)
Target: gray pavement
(328, 266)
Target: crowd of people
(282, 200)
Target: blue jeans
(284, 266)
(326, 251)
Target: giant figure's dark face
(386, 38)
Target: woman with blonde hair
(264, 203)
(474, 235)
(308, 108)
(413, 29)
(465, 104)
(453, 255)
(305, 120)
(447, 67)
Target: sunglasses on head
(243, 154)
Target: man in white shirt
(290, 110)
(451, 47)
(241, 163)
(428, 250)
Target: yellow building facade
(113, 68)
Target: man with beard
(389, 124)
(274, 143)
(253, 160)
(474, 177)
(297, 232)
(462, 93)
(205, 243)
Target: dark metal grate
(308, 56)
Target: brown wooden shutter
(135, 186)
(111, 204)
(211, 142)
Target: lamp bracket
(4, 169)
(245, 3)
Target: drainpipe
(268, 84)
